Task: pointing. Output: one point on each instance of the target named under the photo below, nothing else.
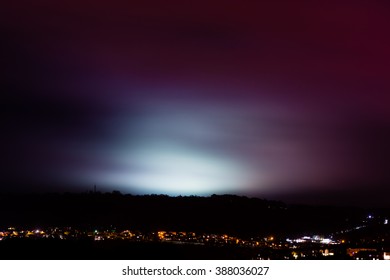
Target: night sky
(276, 99)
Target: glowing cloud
(177, 170)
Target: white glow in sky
(174, 170)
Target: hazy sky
(280, 99)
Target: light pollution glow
(171, 151)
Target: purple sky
(279, 99)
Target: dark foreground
(128, 250)
(115, 250)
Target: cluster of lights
(194, 238)
(112, 234)
(313, 239)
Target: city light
(310, 246)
